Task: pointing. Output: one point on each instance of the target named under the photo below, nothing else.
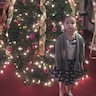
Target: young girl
(69, 51)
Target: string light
(87, 76)
(38, 82)
(19, 76)
(27, 69)
(4, 66)
(1, 71)
(86, 61)
(76, 83)
(52, 80)
(20, 48)
(82, 78)
(46, 84)
(33, 81)
(32, 70)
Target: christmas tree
(31, 37)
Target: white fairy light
(4, 66)
(27, 37)
(25, 53)
(17, 73)
(87, 76)
(20, 48)
(45, 84)
(51, 46)
(39, 66)
(86, 61)
(53, 5)
(16, 66)
(33, 81)
(54, 40)
(35, 30)
(36, 63)
(32, 0)
(1, 71)
(27, 68)
(32, 70)
(38, 82)
(26, 14)
(52, 80)
(24, 71)
(38, 15)
(15, 10)
(82, 78)
(76, 83)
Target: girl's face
(70, 24)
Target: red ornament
(79, 19)
(54, 29)
(48, 49)
(38, 5)
(16, 22)
(24, 2)
(28, 49)
(46, 70)
(9, 48)
(31, 36)
(34, 46)
(7, 27)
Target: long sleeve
(82, 51)
(58, 56)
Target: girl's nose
(70, 24)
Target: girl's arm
(58, 58)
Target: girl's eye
(69, 22)
(72, 23)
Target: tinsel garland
(7, 16)
(73, 6)
(42, 28)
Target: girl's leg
(61, 88)
(68, 89)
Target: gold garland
(42, 28)
(9, 5)
(7, 13)
(7, 16)
(73, 6)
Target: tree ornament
(79, 19)
(34, 46)
(32, 36)
(24, 2)
(46, 70)
(28, 49)
(16, 22)
(8, 50)
(7, 27)
(54, 29)
(38, 5)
